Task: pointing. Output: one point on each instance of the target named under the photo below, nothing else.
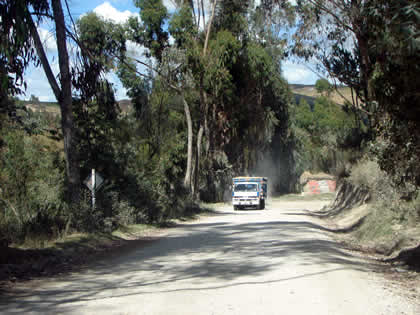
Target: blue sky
(119, 11)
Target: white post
(93, 187)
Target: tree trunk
(195, 190)
(209, 28)
(187, 179)
(65, 101)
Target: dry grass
(344, 93)
(391, 223)
(43, 108)
(88, 240)
(304, 197)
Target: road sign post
(94, 187)
(94, 182)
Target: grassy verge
(93, 241)
(385, 232)
(211, 207)
(392, 223)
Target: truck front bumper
(245, 202)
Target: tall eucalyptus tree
(19, 37)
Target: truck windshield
(246, 187)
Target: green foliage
(155, 160)
(367, 174)
(137, 87)
(394, 82)
(101, 41)
(257, 123)
(322, 86)
(150, 32)
(324, 118)
(141, 156)
(223, 53)
(181, 26)
(32, 181)
(389, 206)
(96, 124)
(39, 122)
(260, 64)
(382, 67)
(324, 133)
(16, 49)
(232, 16)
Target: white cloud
(170, 5)
(134, 50)
(47, 39)
(38, 85)
(171, 40)
(258, 2)
(108, 12)
(298, 74)
(120, 91)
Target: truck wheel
(235, 207)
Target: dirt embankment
(353, 216)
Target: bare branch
(203, 12)
(209, 28)
(43, 58)
(337, 18)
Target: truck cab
(249, 192)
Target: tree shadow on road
(201, 256)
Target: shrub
(32, 178)
(390, 201)
(367, 173)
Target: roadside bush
(142, 164)
(389, 203)
(31, 181)
(377, 228)
(84, 218)
(367, 173)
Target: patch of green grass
(134, 230)
(210, 207)
(36, 242)
(377, 227)
(82, 242)
(77, 241)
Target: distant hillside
(49, 107)
(40, 104)
(52, 107)
(309, 93)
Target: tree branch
(338, 19)
(209, 28)
(43, 58)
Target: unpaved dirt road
(275, 261)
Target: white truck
(249, 192)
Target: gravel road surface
(273, 261)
